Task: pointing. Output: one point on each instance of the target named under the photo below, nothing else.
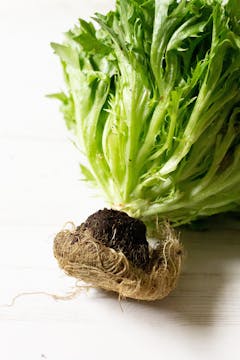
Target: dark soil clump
(117, 230)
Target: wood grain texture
(40, 190)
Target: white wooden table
(40, 190)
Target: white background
(40, 190)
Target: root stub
(81, 255)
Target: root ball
(110, 251)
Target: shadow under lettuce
(206, 272)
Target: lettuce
(153, 102)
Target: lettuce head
(153, 102)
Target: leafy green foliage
(153, 100)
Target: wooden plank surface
(40, 190)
